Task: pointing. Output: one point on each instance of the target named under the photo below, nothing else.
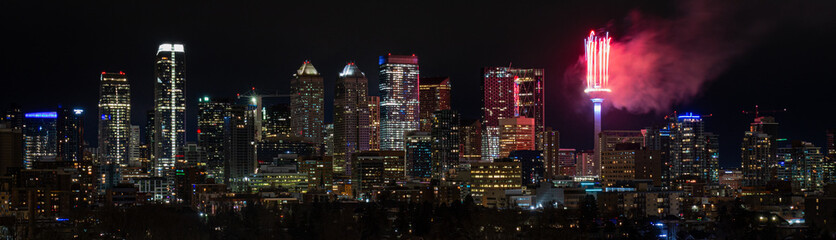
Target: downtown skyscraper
(307, 104)
(658, 138)
(169, 107)
(373, 106)
(690, 156)
(445, 143)
(530, 95)
(513, 92)
(516, 134)
(470, 140)
(210, 129)
(435, 96)
(114, 119)
(759, 151)
(399, 103)
(756, 160)
(419, 155)
(351, 117)
(804, 165)
(277, 121)
(238, 147)
(39, 140)
(509, 93)
(69, 128)
(548, 141)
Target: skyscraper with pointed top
(399, 99)
(169, 107)
(306, 103)
(351, 117)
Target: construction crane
(675, 114)
(757, 111)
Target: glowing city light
(597, 62)
(41, 115)
(597, 55)
(167, 47)
(516, 96)
(689, 116)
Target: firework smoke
(662, 62)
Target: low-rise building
(501, 174)
(373, 170)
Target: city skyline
(640, 119)
(566, 110)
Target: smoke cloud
(660, 62)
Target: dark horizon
(57, 51)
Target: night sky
(53, 54)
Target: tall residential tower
(210, 130)
(39, 138)
(169, 107)
(114, 118)
(691, 151)
(69, 128)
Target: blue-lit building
(39, 137)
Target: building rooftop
(307, 69)
(398, 59)
(435, 81)
(351, 70)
